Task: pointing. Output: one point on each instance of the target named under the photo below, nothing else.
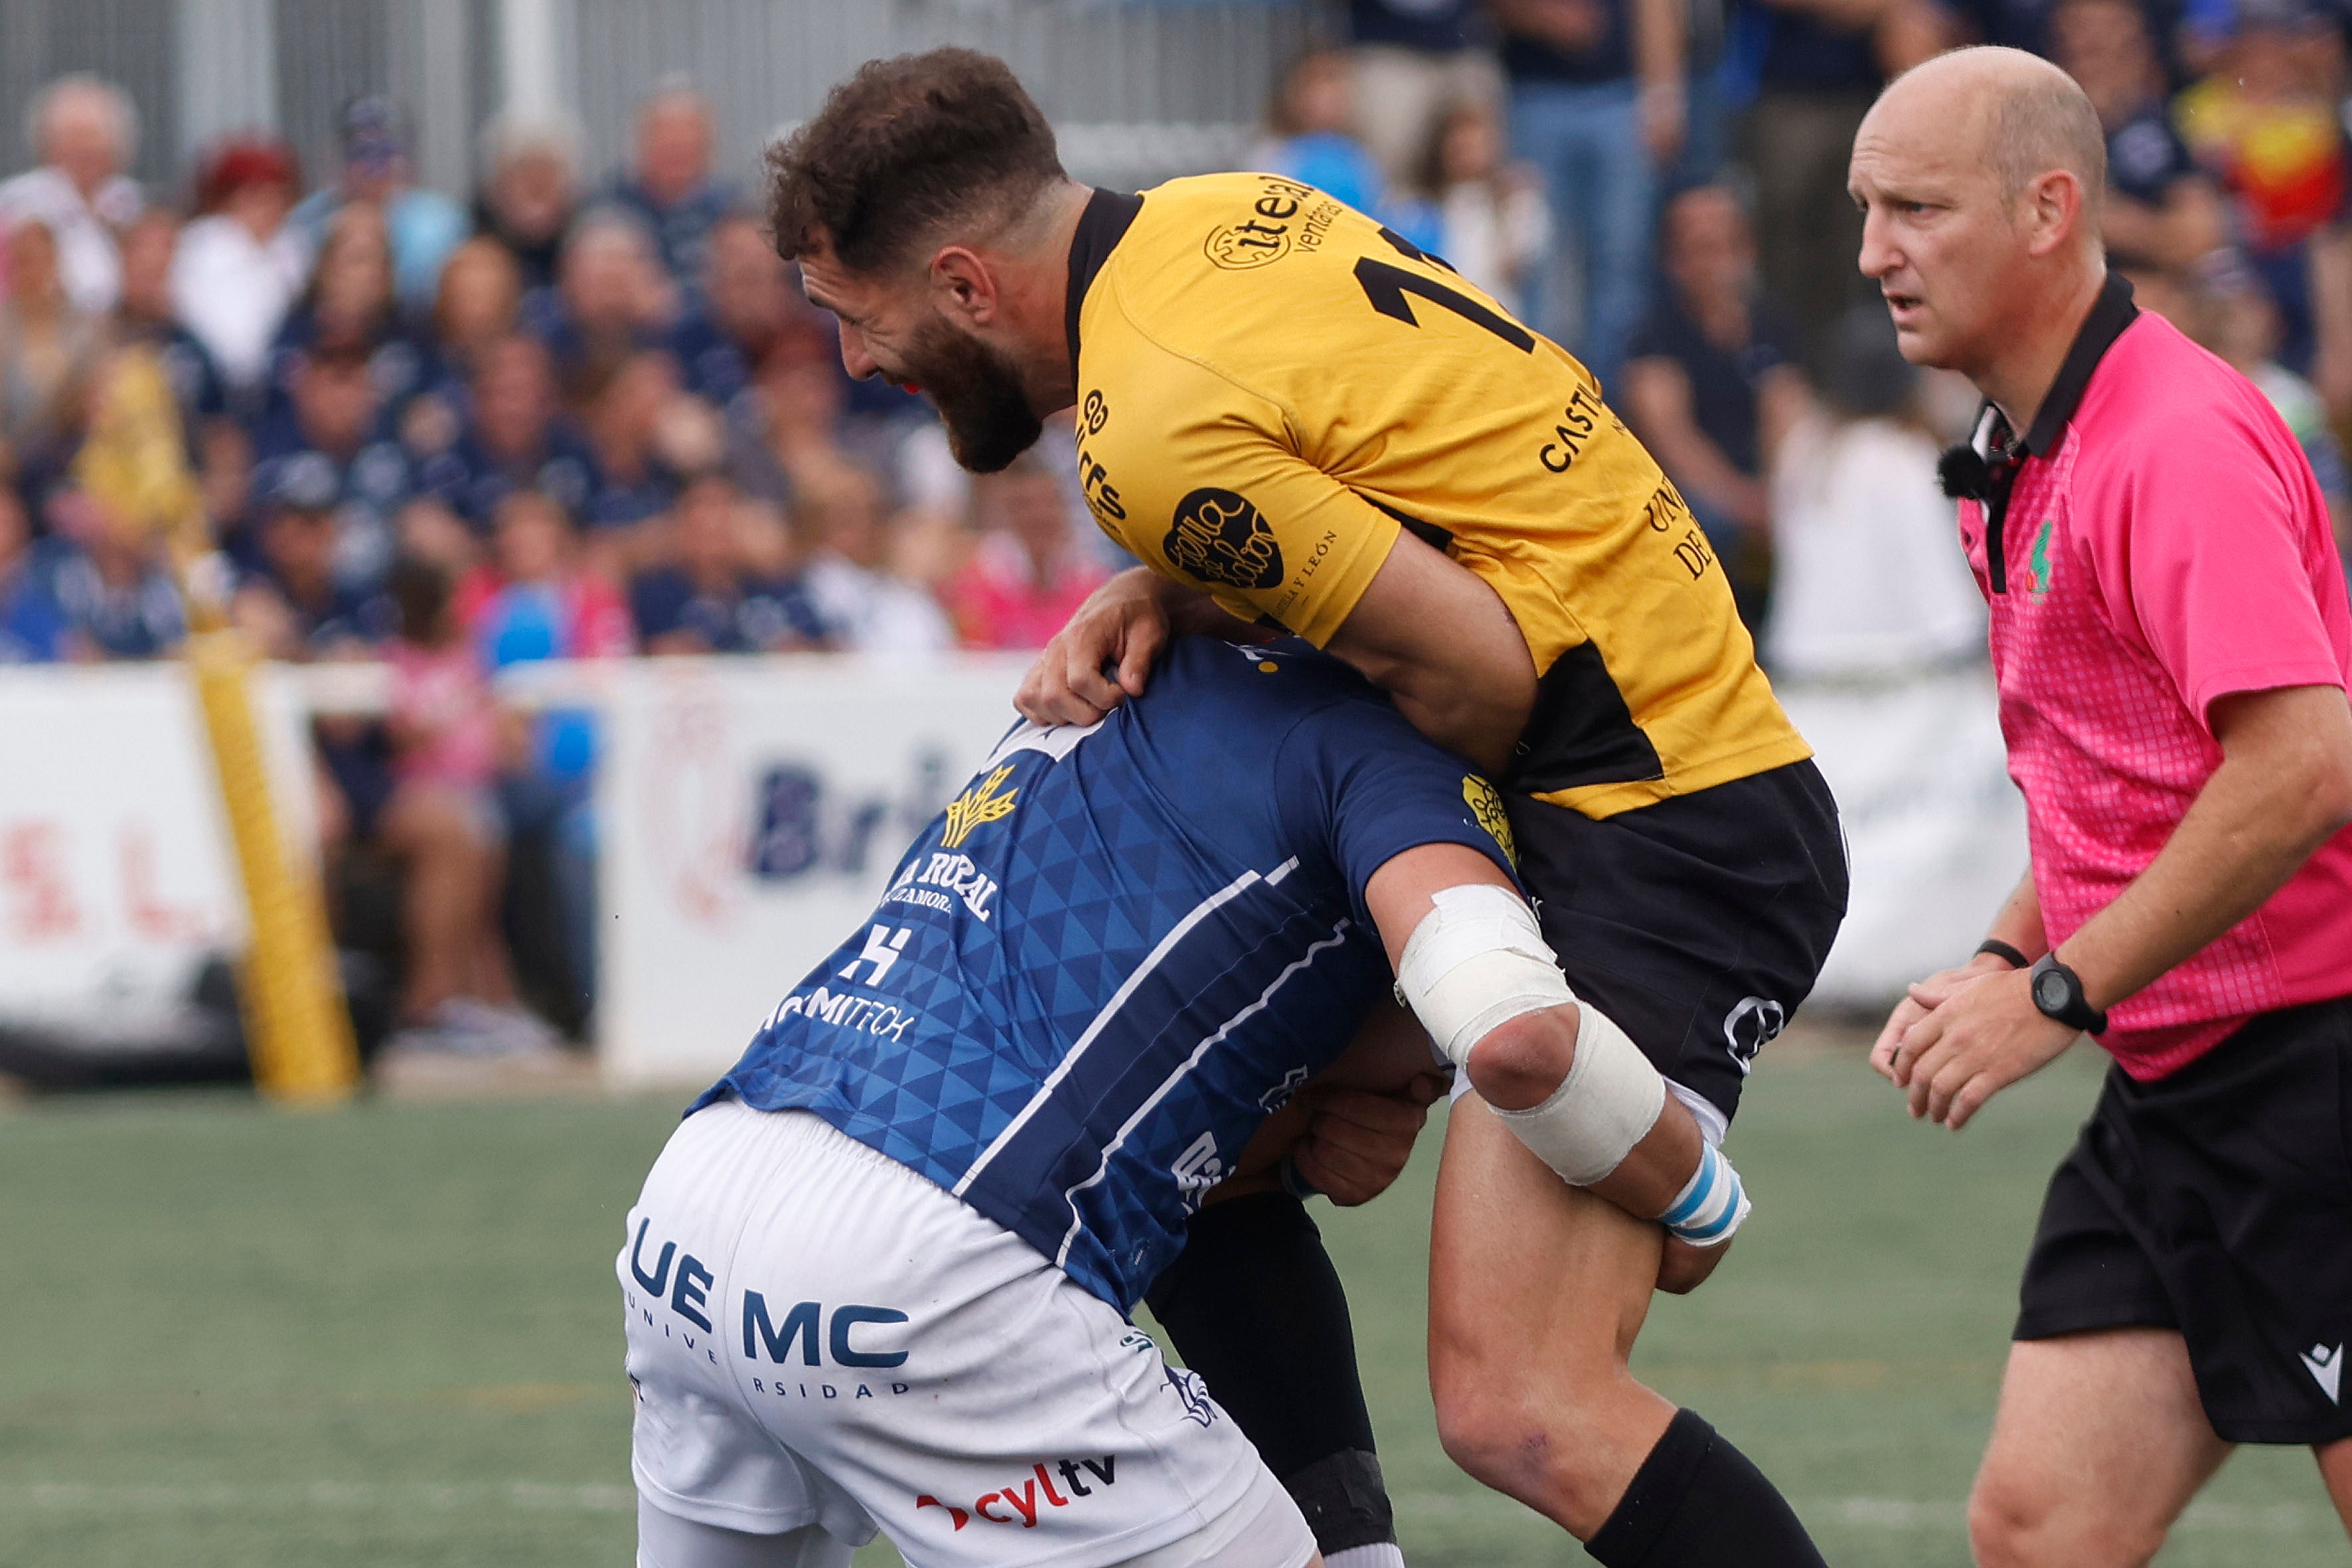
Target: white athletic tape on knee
(1711, 1204)
(1609, 1102)
(1478, 960)
(1475, 961)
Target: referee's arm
(2283, 789)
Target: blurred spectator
(669, 184)
(1870, 584)
(719, 596)
(2159, 205)
(333, 427)
(1713, 386)
(611, 300)
(423, 226)
(293, 601)
(1313, 121)
(1597, 105)
(2266, 122)
(32, 623)
(513, 439)
(350, 307)
(789, 429)
(530, 192)
(443, 823)
(1493, 225)
(427, 531)
(46, 350)
(747, 301)
(143, 315)
(1817, 65)
(108, 582)
(1031, 568)
(1414, 61)
(477, 306)
(482, 291)
(631, 483)
(240, 266)
(531, 603)
(865, 606)
(84, 130)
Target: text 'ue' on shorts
(819, 1335)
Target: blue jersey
(1121, 948)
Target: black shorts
(1698, 923)
(2217, 1202)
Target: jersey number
(1386, 287)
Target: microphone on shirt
(1964, 473)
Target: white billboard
(750, 812)
(116, 877)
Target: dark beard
(979, 396)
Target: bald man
(2171, 635)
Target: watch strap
(2076, 1011)
(2014, 957)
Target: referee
(2172, 646)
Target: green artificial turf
(390, 1335)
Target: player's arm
(1104, 655)
(1349, 1131)
(1217, 504)
(1473, 966)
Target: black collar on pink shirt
(1987, 475)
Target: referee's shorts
(2217, 1202)
(1698, 923)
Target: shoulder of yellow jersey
(1214, 263)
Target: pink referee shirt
(2163, 544)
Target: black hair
(903, 146)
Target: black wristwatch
(2058, 991)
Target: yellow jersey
(1271, 385)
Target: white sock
(1384, 1555)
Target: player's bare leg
(2336, 1470)
(1535, 1292)
(2099, 1444)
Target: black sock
(1697, 1502)
(1253, 1306)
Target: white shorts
(819, 1336)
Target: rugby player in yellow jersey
(1293, 418)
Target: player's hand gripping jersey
(1271, 385)
(1119, 949)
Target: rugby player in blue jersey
(881, 1275)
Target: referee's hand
(1921, 1000)
(1101, 658)
(1973, 1044)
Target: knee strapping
(1478, 960)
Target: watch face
(2050, 990)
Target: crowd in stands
(585, 416)
(576, 419)
(1660, 187)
